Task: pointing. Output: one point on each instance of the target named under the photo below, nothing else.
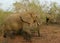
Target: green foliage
(3, 15)
(32, 7)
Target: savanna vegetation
(26, 18)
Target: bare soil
(49, 34)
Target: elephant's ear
(27, 18)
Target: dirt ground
(49, 34)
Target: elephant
(19, 24)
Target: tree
(53, 11)
(33, 8)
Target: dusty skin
(49, 34)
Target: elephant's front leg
(38, 33)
